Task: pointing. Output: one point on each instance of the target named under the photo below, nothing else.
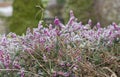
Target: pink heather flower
(7, 61)
(45, 58)
(90, 22)
(110, 33)
(29, 50)
(56, 21)
(36, 35)
(98, 25)
(66, 74)
(99, 32)
(72, 18)
(16, 65)
(71, 13)
(58, 32)
(50, 27)
(75, 27)
(42, 40)
(13, 35)
(4, 41)
(1, 56)
(54, 74)
(22, 73)
(68, 64)
(1, 53)
(80, 23)
(114, 24)
(48, 48)
(79, 58)
(60, 73)
(28, 31)
(46, 32)
(62, 64)
(40, 25)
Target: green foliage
(61, 1)
(83, 9)
(25, 14)
(45, 2)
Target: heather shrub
(71, 50)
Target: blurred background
(17, 15)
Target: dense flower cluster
(47, 40)
(72, 32)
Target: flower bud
(90, 22)
(56, 21)
(71, 13)
(98, 25)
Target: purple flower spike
(60, 73)
(4, 41)
(90, 22)
(54, 74)
(57, 32)
(16, 65)
(72, 18)
(78, 58)
(80, 23)
(48, 48)
(66, 74)
(1, 53)
(13, 35)
(50, 27)
(40, 25)
(22, 73)
(98, 25)
(56, 21)
(71, 13)
(110, 33)
(7, 61)
(44, 58)
(1, 56)
(115, 26)
(28, 31)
